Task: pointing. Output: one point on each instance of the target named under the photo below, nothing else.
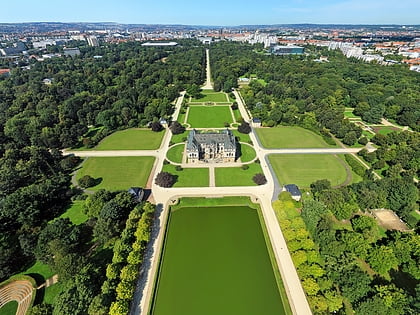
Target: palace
(218, 147)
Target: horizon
(217, 13)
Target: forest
(128, 86)
(346, 261)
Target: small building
(294, 191)
(137, 193)
(216, 147)
(256, 122)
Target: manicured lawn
(303, 169)
(175, 153)
(236, 176)
(208, 267)
(9, 308)
(212, 202)
(237, 114)
(247, 153)
(209, 116)
(349, 114)
(189, 177)
(75, 213)
(243, 137)
(385, 130)
(210, 96)
(179, 138)
(289, 137)
(51, 292)
(118, 173)
(132, 139)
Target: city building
(286, 50)
(217, 147)
(72, 52)
(92, 41)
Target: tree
(194, 91)
(259, 179)
(350, 138)
(165, 179)
(177, 128)
(244, 127)
(86, 181)
(320, 185)
(382, 259)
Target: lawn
(189, 177)
(210, 96)
(209, 116)
(75, 213)
(236, 176)
(243, 137)
(9, 308)
(117, 173)
(237, 114)
(304, 169)
(349, 114)
(180, 137)
(175, 153)
(212, 202)
(289, 137)
(385, 130)
(247, 153)
(51, 292)
(132, 139)
(210, 268)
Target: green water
(216, 262)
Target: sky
(213, 12)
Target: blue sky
(213, 12)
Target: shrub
(226, 124)
(245, 167)
(165, 179)
(234, 106)
(178, 168)
(259, 179)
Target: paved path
(212, 177)
(208, 85)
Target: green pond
(215, 261)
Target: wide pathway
(208, 85)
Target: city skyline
(217, 12)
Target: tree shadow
(97, 181)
